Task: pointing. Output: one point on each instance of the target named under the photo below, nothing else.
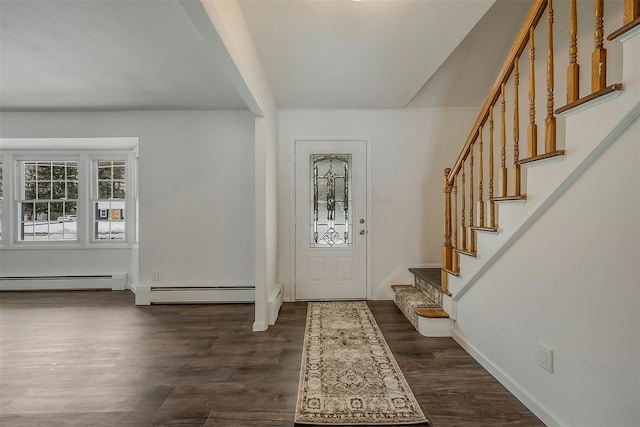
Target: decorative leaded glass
(330, 200)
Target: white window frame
(18, 186)
(12, 182)
(129, 204)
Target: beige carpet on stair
(348, 374)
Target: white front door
(331, 220)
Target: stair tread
(434, 313)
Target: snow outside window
(109, 201)
(48, 200)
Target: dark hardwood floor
(95, 359)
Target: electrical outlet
(156, 275)
(545, 357)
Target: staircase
(421, 303)
(486, 206)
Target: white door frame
(292, 207)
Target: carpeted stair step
(409, 299)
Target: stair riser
(434, 327)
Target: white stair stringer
(587, 137)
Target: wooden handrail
(631, 11)
(459, 235)
(521, 40)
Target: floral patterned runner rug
(348, 374)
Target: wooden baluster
(503, 145)
(447, 250)
(463, 228)
(480, 181)
(472, 236)
(573, 71)
(532, 131)
(516, 129)
(599, 56)
(631, 11)
(492, 205)
(550, 121)
(455, 265)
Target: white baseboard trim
(275, 302)
(510, 384)
(115, 282)
(259, 327)
(205, 294)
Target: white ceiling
(148, 54)
(106, 54)
(345, 54)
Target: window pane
(30, 191)
(42, 211)
(26, 226)
(27, 211)
(72, 171)
(29, 172)
(58, 190)
(110, 224)
(118, 170)
(44, 190)
(72, 190)
(70, 208)
(44, 171)
(57, 211)
(104, 190)
(104, 170)
(70, 230)
(103, 230)
(118, 190)
(58, 171)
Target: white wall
(23, 262)
(409, 151)
(196, 183)
(572, 282)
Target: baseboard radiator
(146, 295)
(114, 282)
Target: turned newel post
(447, 249)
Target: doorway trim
(292, 207)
